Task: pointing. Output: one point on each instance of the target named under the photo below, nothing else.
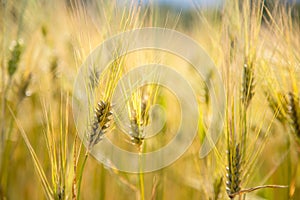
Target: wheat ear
(247, 84)
(293, 110)
(100, 124)
(233, 171)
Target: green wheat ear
(233, 172)
(16, 51)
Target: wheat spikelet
(101, 123)
(136, 132)
(233, 172)
(247, 84)
(137, 123)
(16, 51)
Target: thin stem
(141, 176)
(248, 190)
(74, 197)
(81, 173)
(294, 179)
(5, 162)
(244, 134)
(102, 186)
(4, 85)
(289, 163)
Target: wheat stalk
(138, 121)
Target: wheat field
(44, 155)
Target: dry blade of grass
(244, 191)
(56, 137)
(46, 185)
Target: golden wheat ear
(247, 84)
(136, 131)
(278, 105)
(293, 110)
(101, 123)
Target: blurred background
(43, 45)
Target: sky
(189, 3)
